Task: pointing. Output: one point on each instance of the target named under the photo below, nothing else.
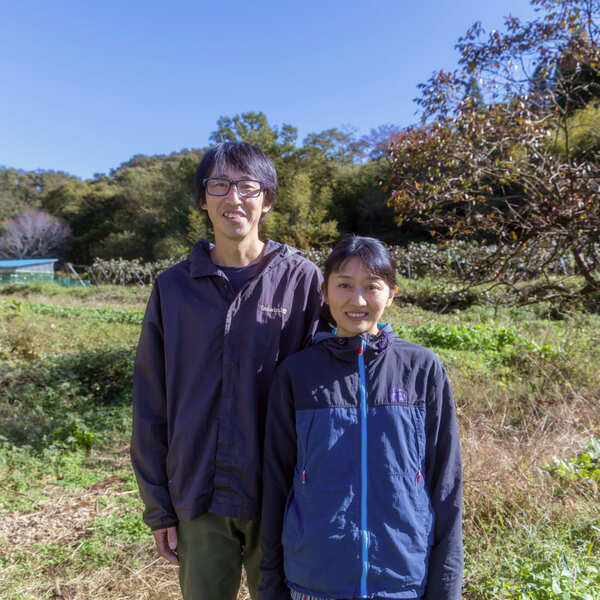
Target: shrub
(64, 400)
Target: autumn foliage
(497, 157)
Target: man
(216, 326)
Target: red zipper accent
(419, 478)
(360, 350)
(303, 476)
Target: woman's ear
(393, 292)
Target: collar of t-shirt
(239, 275)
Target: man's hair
(244, 157)
(371, 251)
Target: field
(527, 387)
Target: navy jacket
(203, 369)
(362, 474)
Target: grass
(527, 387)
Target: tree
(379, 138)
(33, 234)
(300, 218)
(334, 144)
(252, 127)
(25, 190)
(507, 170)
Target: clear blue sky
(86, 85)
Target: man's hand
(166, 543)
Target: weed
(582, 467)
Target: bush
(66, 399)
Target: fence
(34, 277)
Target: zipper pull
(362, 347)
(419, 478)
(303, 477)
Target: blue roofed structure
(28, 268)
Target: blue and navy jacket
(362, 483)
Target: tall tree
(498, 170)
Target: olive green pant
(212, 550)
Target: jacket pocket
(321, 538)
(397, 440)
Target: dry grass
(66, 519)
(503, 481)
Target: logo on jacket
(273, 309)
(398, 396)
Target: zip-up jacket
(203, 369)
(362, 474)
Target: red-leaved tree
(521, 168)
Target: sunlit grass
(527, 389)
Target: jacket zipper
(416, 426)
(305, 449)
(363, 470)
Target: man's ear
(267, 204)
(324, 292)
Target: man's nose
(233, 194)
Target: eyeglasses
(220, 186)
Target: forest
(505, 156)
(145, 208)
(506, 150)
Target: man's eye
(343, 285)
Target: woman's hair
(372, 252)
(241, 156)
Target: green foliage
(107, 315)
(360, 203)
(253, 127)
(299, 219)
(546, 573)
(582, 136)
(64, 401)
(584, 466)
(199, 226)
(26, 190)
(501, 344)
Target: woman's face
(356, 298)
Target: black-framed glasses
(220, 186)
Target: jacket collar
(201, 265)
(349, 346)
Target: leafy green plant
(477, 338)
(546, 574)
(65, 399)
(584, 466)
(107, 315)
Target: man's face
(234, 217)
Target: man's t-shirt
(239, 275)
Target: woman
(362, 493)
